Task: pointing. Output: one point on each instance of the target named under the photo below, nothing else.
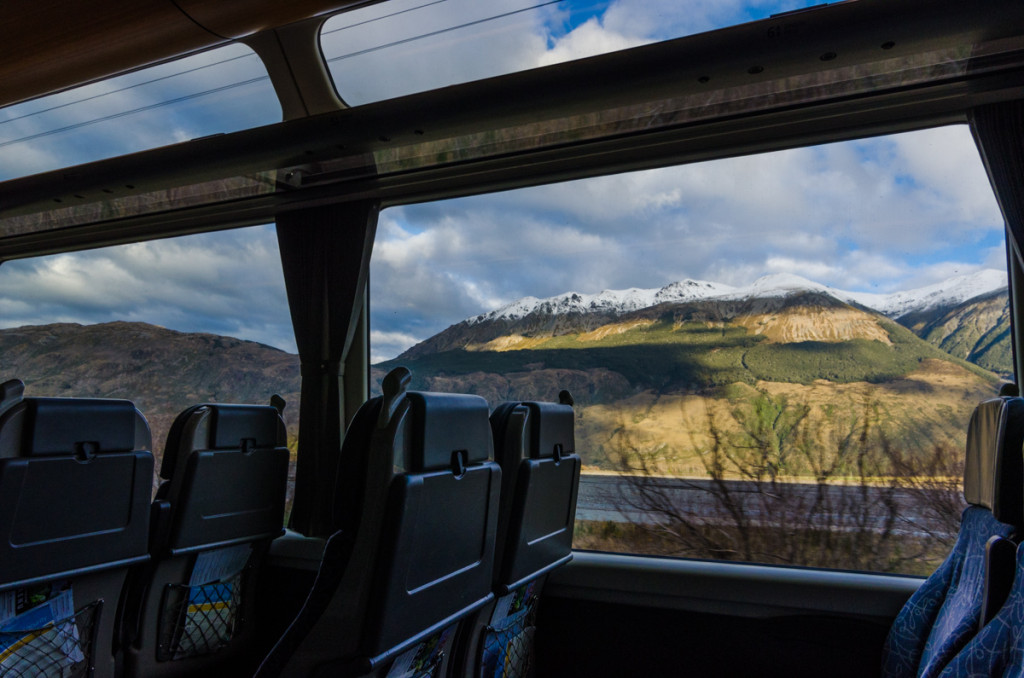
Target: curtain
(325, 254)
(999, 133)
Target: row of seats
(439, 551)
(434, 567)
(115, 583)
(967, 619)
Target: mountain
(977, 330)
(779, 330)
(942, 295)
(161, 370)
(523, 322)
(648, 367)
(947, 293)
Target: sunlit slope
(651, 378)
(977, 330)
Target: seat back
(220, 504)
(75, 481)
(534, 443)
(945, 612)
(416, 510)
(998, 648)
(535, 447)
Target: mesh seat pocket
(62, 648)
(198, 620)
(507, 645)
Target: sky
(877, 215)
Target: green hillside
(690, 356)
(977, 331)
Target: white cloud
(588, 39)
(394, 52)
(226, 283)
(385, 345)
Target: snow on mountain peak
(955, 290)
(778, 285)
(615, 302)
(608, 301)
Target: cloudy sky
(872, 215)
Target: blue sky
(874, 215)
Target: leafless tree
(788, 483)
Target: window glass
(222, 90)
(773, 357)
(167, 324)
(403, 46)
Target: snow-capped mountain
(616, 302)
(949, 292)
(609, 301)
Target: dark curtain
(999, 132)
(325, 253)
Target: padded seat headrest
(994, 461)
(226, 426)
(56, 426)
(444, 423)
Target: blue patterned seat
(943, 615)
(998, 649)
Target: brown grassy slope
(161, 370)
(929, 406)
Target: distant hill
(161, 370)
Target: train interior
(371, 206)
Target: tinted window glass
(774, 357)
(405, 46)
(222, 90)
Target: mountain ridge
(894, 305)
(530, 322)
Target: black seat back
(534, 443)
(220, 504)
(225, 471)
(75, 481)
(417, 511)
(437, 548)
(535, 447)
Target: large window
(167, 324)
(773, 357)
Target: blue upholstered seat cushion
(998, 649)
(942, 616)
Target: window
(405, 46)
(773, 357)
(167, 324)
(222, 90)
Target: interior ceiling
(50, 45)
